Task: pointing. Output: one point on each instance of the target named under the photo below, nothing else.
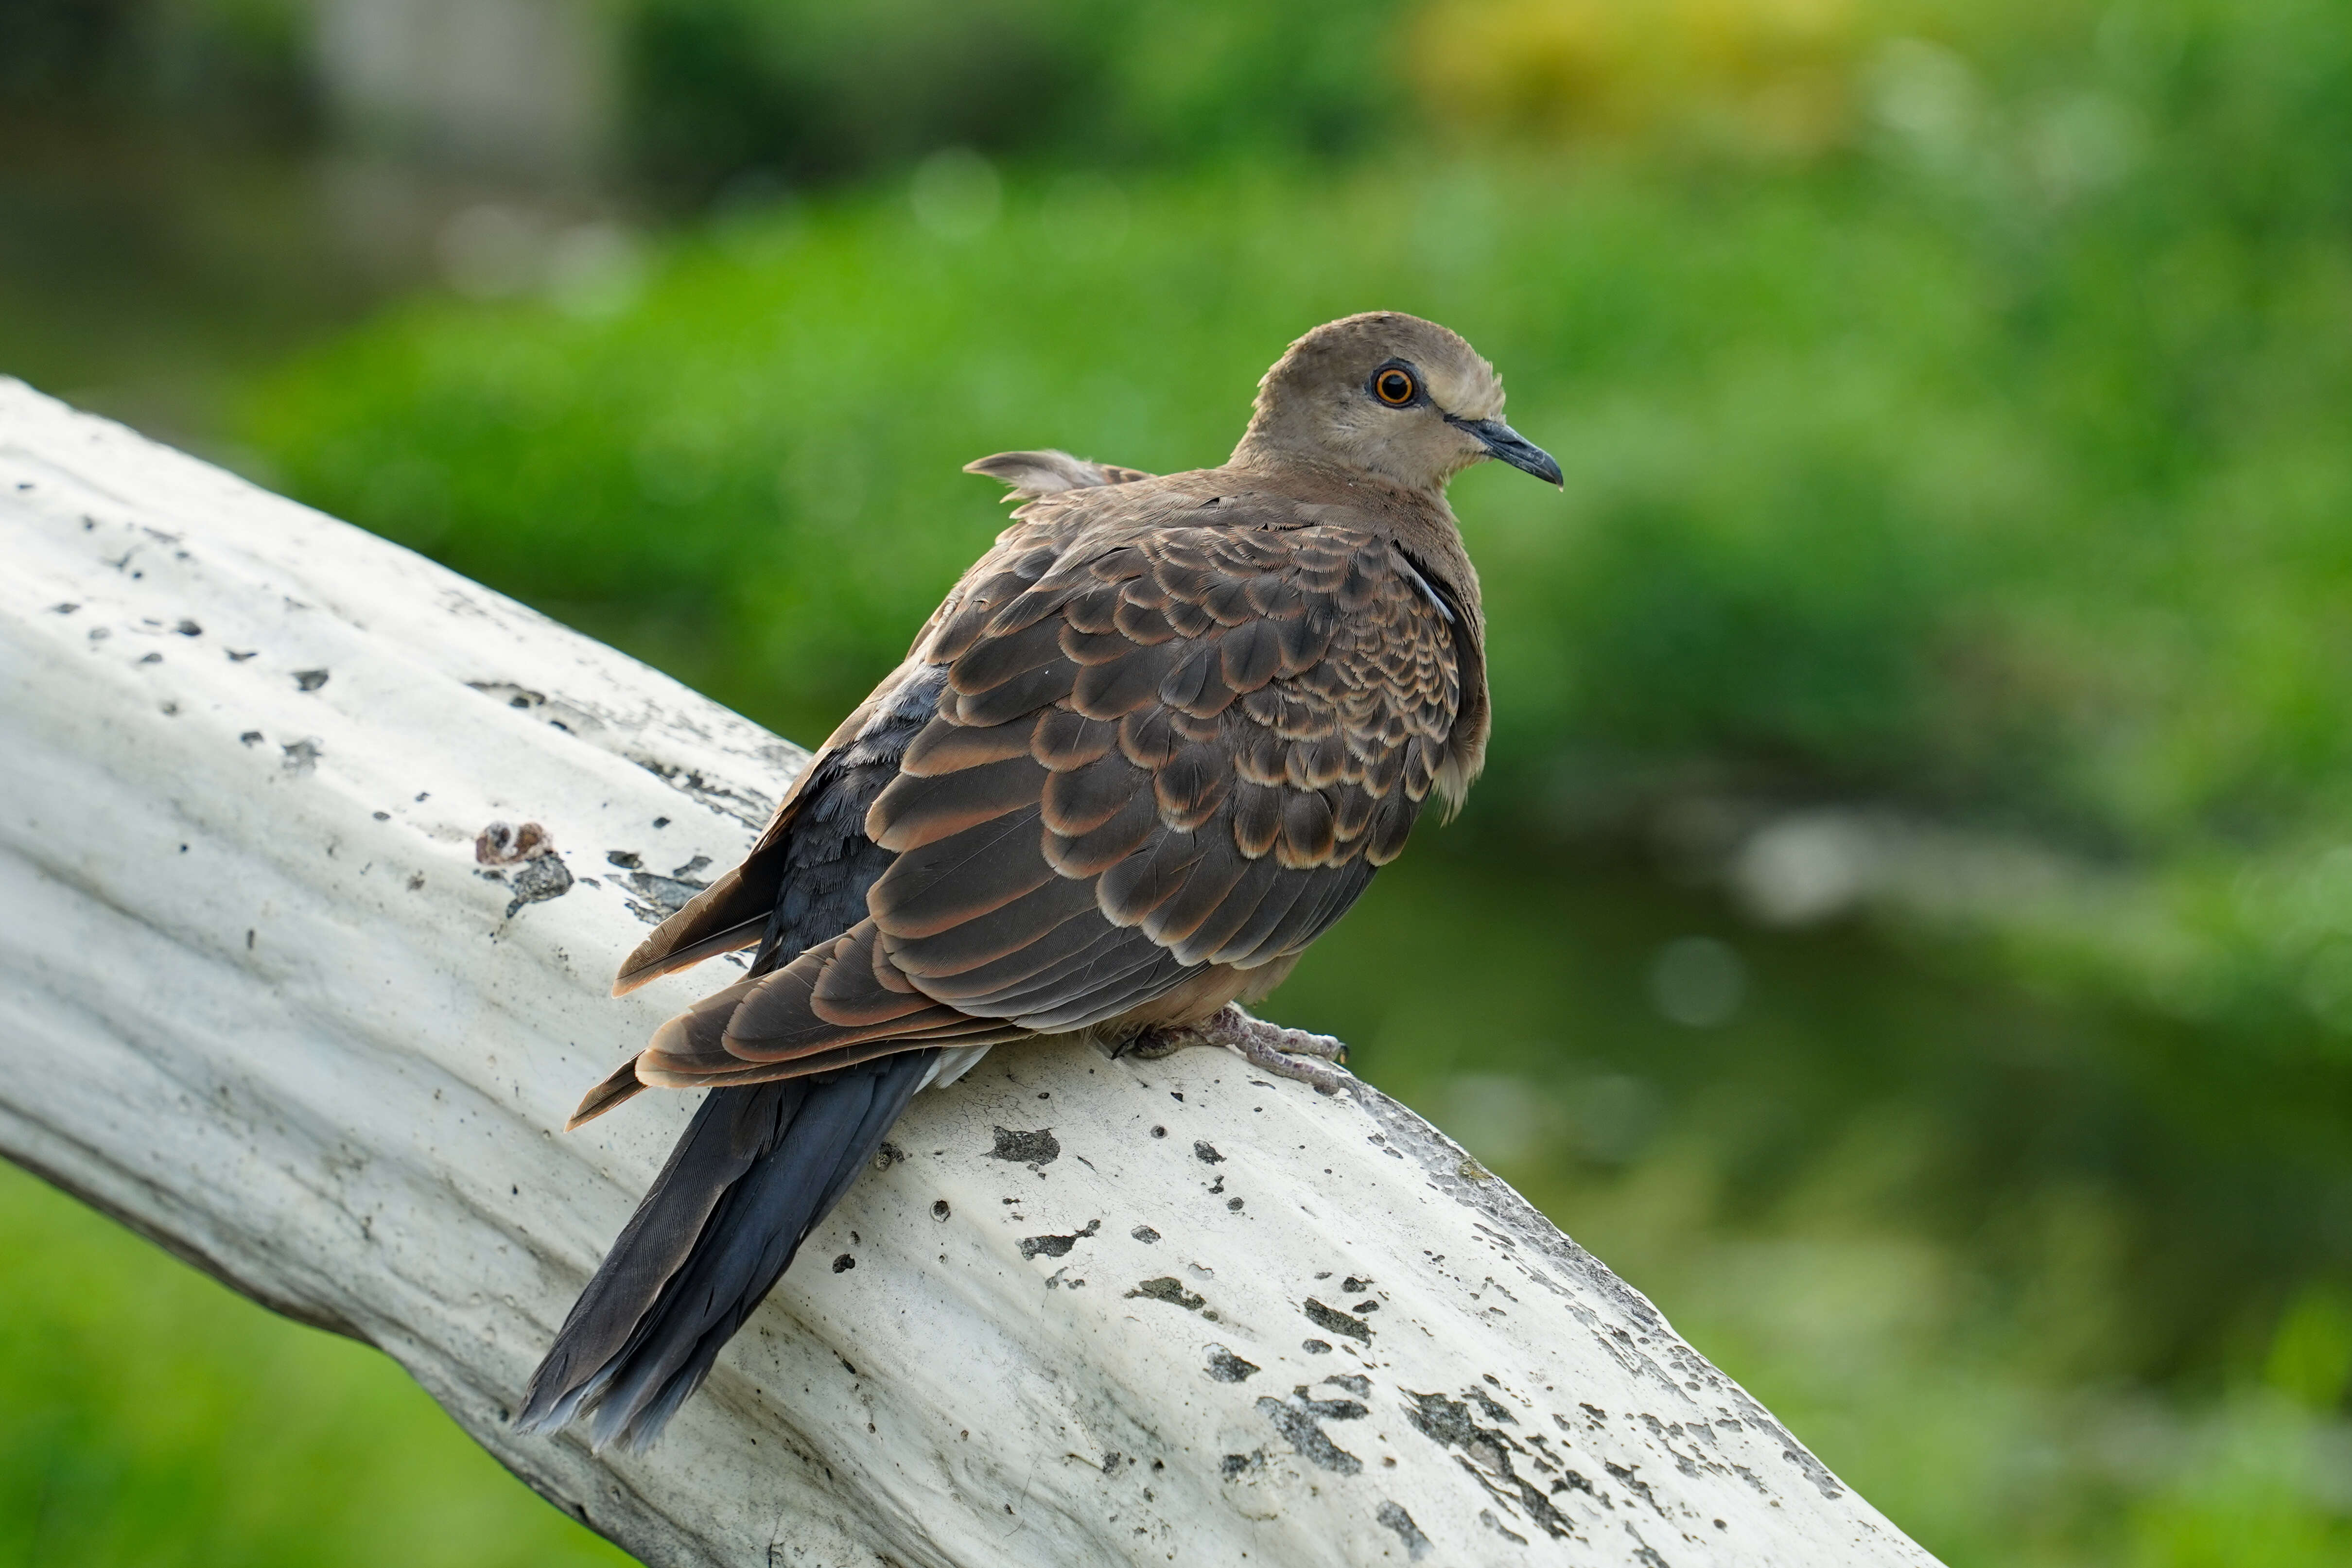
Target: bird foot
(1296, 1053)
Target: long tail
(756, 1171)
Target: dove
(1154, 744)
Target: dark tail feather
(756, 1171)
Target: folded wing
(1146, 753)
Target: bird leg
(1285, 1053)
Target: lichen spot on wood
(1031, 1149)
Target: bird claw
(1308, 1058)
(1324, 1076)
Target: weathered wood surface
(258, 1000)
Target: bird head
(1388, 394)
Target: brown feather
(1250, 656)
(1066, 739)
(1032, 474)
(1391, 823)
(657, 1074)
(1189, 616)
(1123, 564)
(1257, 817)
(736, 903)
(776, 1018)
(1118, 969)
(1097, 995)
(917, 809)
(698, 1037)
(995, 659)
(977, 608)
(1248, 945)
(1095, 647)
(944, 746)
(729, 939)
(1023, 614)
(1218, 869)
(1183, 572)
(1227, 601)
(960, 878)
(1138, 884)
(1326, 899)
(1140, 622)
(1008, 928)
(1306, 829)
(1093, 610)
(622, 1085)
(1197, 728)
(1018, 698)
(1273, 596)
(1080, 801)
(1233, 912)
(1148, 737)
(1197, 685)
(1190, 787)
(1097, 850)
(1120, 687)
(1315, 764)
(1351, 809)
(1306, 639)
(853, 986)
(1261, 757)
(1072, 942)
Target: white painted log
(258, 1001)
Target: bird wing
(737, 909)
(1147, 751)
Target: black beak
(1501, 441)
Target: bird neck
(1264, 451)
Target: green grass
(149, 1418)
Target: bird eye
(1394, 387)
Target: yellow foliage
(1768, 78)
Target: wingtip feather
(654, 958)
(620, 1086)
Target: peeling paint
(1299, 1419)
(1056, 1245)
(1168, 1288)
(1031, 1149)
(1416, 1545)
(1335, 1321)
(1486, 1454)
(1226, 1367)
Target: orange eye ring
(1395, 387)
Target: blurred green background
(1907, 928)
